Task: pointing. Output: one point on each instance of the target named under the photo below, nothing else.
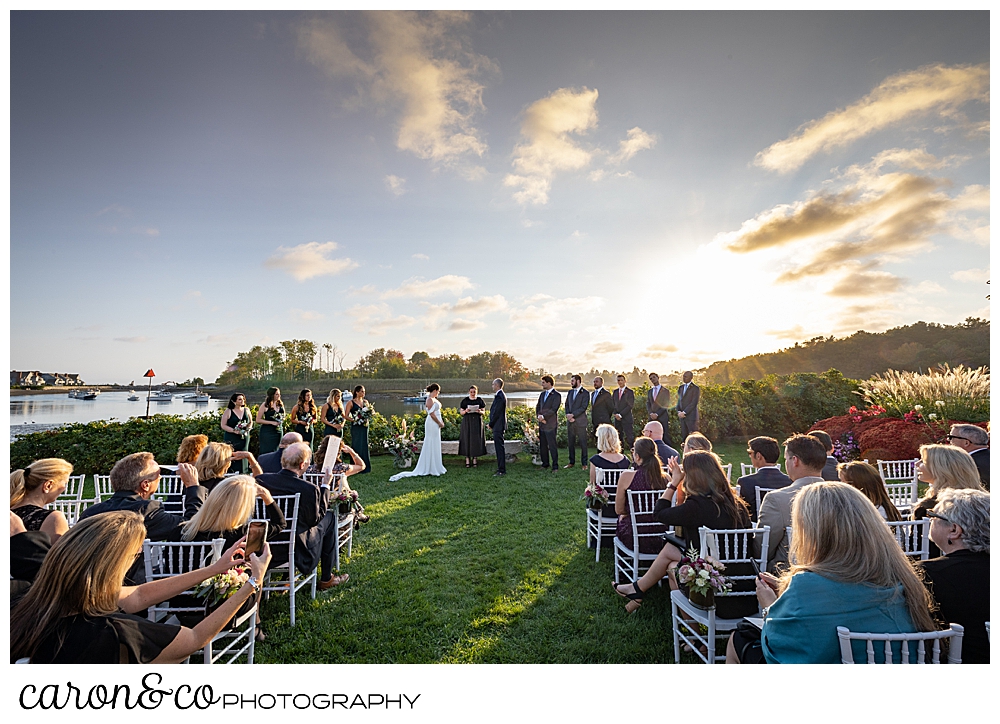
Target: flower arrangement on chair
(531, 442)
(701, 578)
(595, 495)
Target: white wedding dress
(430, 462)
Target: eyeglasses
(957, 437)
(932, 514)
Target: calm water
(396, 406)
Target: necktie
(593, 398)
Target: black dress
(32, 516)
(117, 638)
(239, 442)
(304, 420)
(960, 583)
(472, 437)
(359, 439)
(598, 462)
(270, 435)
(334, 416)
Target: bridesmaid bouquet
(305, 420)
(241, 428)
(338, 417)
(364, 415)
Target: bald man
(271, 462)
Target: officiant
(472, 437)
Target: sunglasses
(957, 437)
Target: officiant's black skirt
(472, 438)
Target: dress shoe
(571, 465)
(498, 474)
(334, 581)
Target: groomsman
(498, 424)
(547, 412)
(602, 409)
(688, 395)
(658, 404)
(624, 401)
(577, 401)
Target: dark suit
(659, 405)
(960, 583)
(982, 460)
(687, 402)
(271, 462)
(498, 424)
(548, 407)
(577, 402)
(830, 469)
(764, 478)
(601, 408)
(665, 452)
(623, 400)
(316, 527)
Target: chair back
(734, 548)
(905, 643)
(758, 494)
(170, 492)
(747, 469)
(289, 506)
(74, 488)
(102, 487)
(608, 479)
(165, 559)
(728, 469)
(317, 479)
(644, 525)
(913, 536)
(70, 508)
(900, 480)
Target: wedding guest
(624, 400)
(764, 453)
(344, 470)
(959, 581)
(271, 462)
(830, 468)
(304, 415)
(547, 414)
(78, 612)
(849, 571)
(688, 396)
(658, 405)
(271, 421)
(975, 441)
(648, 475)
(215, 462)
(577, 401)
(498, 425)
(609, 452)
(602, 407)
(943, 467)
(27, 553)
(472, 436)
(654, 431)
(236, 425)
(359, 426)
(332, 414)
(865, 478)
(694, 441)
(710, 503)
(190, 448)
(34, 488)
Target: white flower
(703, 573)
(918, 408)
(939, 403)
(932, 416)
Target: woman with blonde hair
(332, 414)
(78, 612)
(943, 467)
(696, 441)
(215, 459)
(190, 448)
(848, 571)
(35, 487)
(228, 509)
(865, 478)
(609, 452)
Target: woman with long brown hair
(304, 415)
(865, 478)
(78, 612)
(271, 420)
(710, 502)
(34, 488)
(647, 475)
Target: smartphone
(256, 535)
(756, 568)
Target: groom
(547, 413)
(498, 424)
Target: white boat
(346, 396)
(132, 397)
(199, 397)
(160, 396)
(422, 397)
(88, 395)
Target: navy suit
(623, 399)
(271, 462)
(577, 402)
(548, 407)
(659, 405)
(687, 402)
(498, 424)
(765, 479)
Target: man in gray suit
(577, 402)
(805, 456)
(658, 404)
(688, 395)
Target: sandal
(468, 464)
(475, 463)
(634, 598)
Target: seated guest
(271, 462)
(216, 459)
(648, 475)
(764, 453)
(78, 612)
(609, 452)
(805, 457)
(694, 441)
(190, 448)
(710, 503)
(316, 528)
(341, 468)
(134, 479)
(959, 581)
(848, 571)
(34, 488)
(27, 553)
(943, 467)
(654, 431)
(830, 469)
(975, 441)
(228, 509)
(865, 478)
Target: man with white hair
(271, 462)
(975, 441)
(316, 528)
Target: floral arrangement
(241, 428)
(846, 448)
(702, 575)
(345, 496)
(866, 414)
(402, 445)
(305, 419)
(531, 439)
(596, 496)
(364, 415)
(218, 588)
(338, 416)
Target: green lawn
(468, 568)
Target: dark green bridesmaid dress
(269, 435)
(304, 426)
(359, 440)
(238, 442)
(333, 416)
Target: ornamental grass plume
(959, 394)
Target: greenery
(953, 394)
(914, 348)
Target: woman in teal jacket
(848, 571)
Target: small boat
(346, 396)
(88, 395)
(74, 393)
(132, 397)
(200, 397)
(422, 397)
(160, 396)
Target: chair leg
(673, 622)
(291, 595)
(710, 645)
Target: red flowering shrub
(899, 438)
(835, 427)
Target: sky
(579, 189)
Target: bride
(429, 462)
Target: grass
(468, 568)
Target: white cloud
(395, 184)
(607, 347)
(543, 310)
(469, 307)
(306, 261)
(421, 257)
(547, 147)
(929, 287)
(936, 89)
(377, 319)
(596, 174)
(192, 294)
(418, 65)
(131, 340)
(306, 315)
(635, 141)
(417, 287)
(462, 325)
(145, 230)
(660, 350)
(578, 234)
(971, 276)
(115, 209)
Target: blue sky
(579, 189)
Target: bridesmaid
(236, 425)
(304, 414)
(332, 414)
(359, 430)
(472, 438)
(270, 417)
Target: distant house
(34, 378)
